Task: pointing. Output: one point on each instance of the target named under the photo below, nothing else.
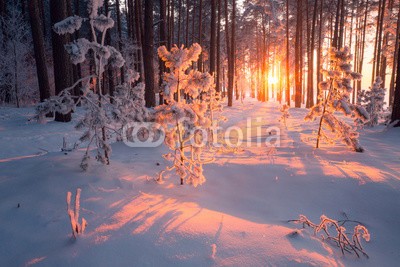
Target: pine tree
(373, 101)
(337, 89)
(181, 117)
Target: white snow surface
(237, 218)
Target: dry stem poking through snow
(341, 239)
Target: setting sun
(272, 80)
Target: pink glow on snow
(172, 220)
(35, 261)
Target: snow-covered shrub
(339, 235)
(77, 228)
(105, 115)
(373, 101)
(128, 101)
(17, 72)
(184, 116)
(215, 106)
(335, 97)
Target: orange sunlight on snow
(173, 219)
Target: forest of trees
(267, 49)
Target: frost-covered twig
(340, 237)
(285, 113)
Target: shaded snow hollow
(237, 218)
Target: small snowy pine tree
(373, 101)
(105, 115)
(335, 96)
(184, 113)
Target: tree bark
(213, 40)
(310, 83)
(163, 41)
(396, 101)
(298, 52)
(148, 46)
(200, 62)
(62, 65)
(218, 43)
(287, 56)
(231, 59)
(38, 45)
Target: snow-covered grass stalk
(77, 228)
(342, 240)
(335, 96)
(184, 114)
(373, 101)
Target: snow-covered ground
(239, 217)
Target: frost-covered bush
(105, 115)
(77, 228)
(184, 116)
(338, 235)
(17, 72)
(373, 101)
(128, 101)
(335, 97)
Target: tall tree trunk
(119, 29)
(363, 44)
(341, 24)
(380, 29)
(396, 101)
(232, 50)
(42, 16)
(147, 47)
(310, 83)
(179, 22)
(163, 41)
(193, 20)
(335, 40)
(394, 66)
(62, 65)
(287, 56)
(187, 23)
(200, 62)
(298, 52)
(227, 40)
(139, 36)
(213, 39)
(110, 72)
(264, 77)
(320, 41)
(38, 45)
(218, 79)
